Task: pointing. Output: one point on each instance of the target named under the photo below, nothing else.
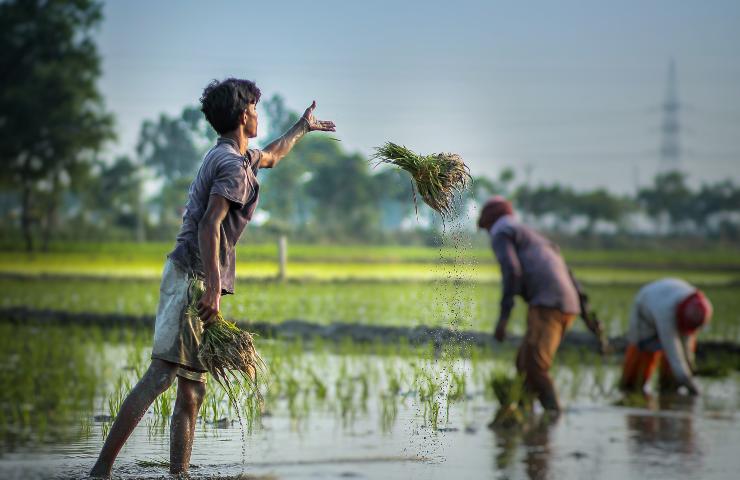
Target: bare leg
(157, 379)
(182, 429)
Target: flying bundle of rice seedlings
(226, 351)
(437, 177)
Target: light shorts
(177, 335)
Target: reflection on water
(666, 436)
(533, 439)
(673, 433)
(537, 443)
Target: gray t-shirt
(227, 173)
(531, 266)
(652, 323)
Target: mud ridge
(296, 329)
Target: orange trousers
(639, 366)
(545, 330)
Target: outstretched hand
(314, 124)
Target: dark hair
(223, 102)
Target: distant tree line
(52, 119)
(57, 185)
(322, 193)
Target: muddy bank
(294, 329)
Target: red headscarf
(693, 312)
(494, 208)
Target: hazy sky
(569, 90)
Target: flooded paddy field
(345, 410)
(339, 409)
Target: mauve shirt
(531, 266)
(227, 173)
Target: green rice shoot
(437, 177)
(226, 351)
(511, 396)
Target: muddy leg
(182, 429)
(157, 379)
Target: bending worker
(665, 318)
(532, 267)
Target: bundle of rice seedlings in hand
(437, 177)
(226, 351)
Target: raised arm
(280, 147)
(209, 236)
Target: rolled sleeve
(231, 183)
(255, 156)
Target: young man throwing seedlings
(221, 201)
(666, 316)
(532, 267)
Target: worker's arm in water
(209, 239)
(511, 279)
(674, 351)
(279, 148)
(688, 342)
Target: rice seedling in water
(388, 411)
(319, 387)
(364, 389)
(155, 428)
(344, 389)
(115, 400)
(394, 381)
(292, 390)
(509, 392)
(210, 410)
(253, 411)
(577, 379)
(437, 177)
(456, 392)
(163, 405)
(104, 430)
(429, 390)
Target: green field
(376, 263)
(657, 258)
(467, 306)
(359, 284)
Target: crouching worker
(666, 316)
(532, 267)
